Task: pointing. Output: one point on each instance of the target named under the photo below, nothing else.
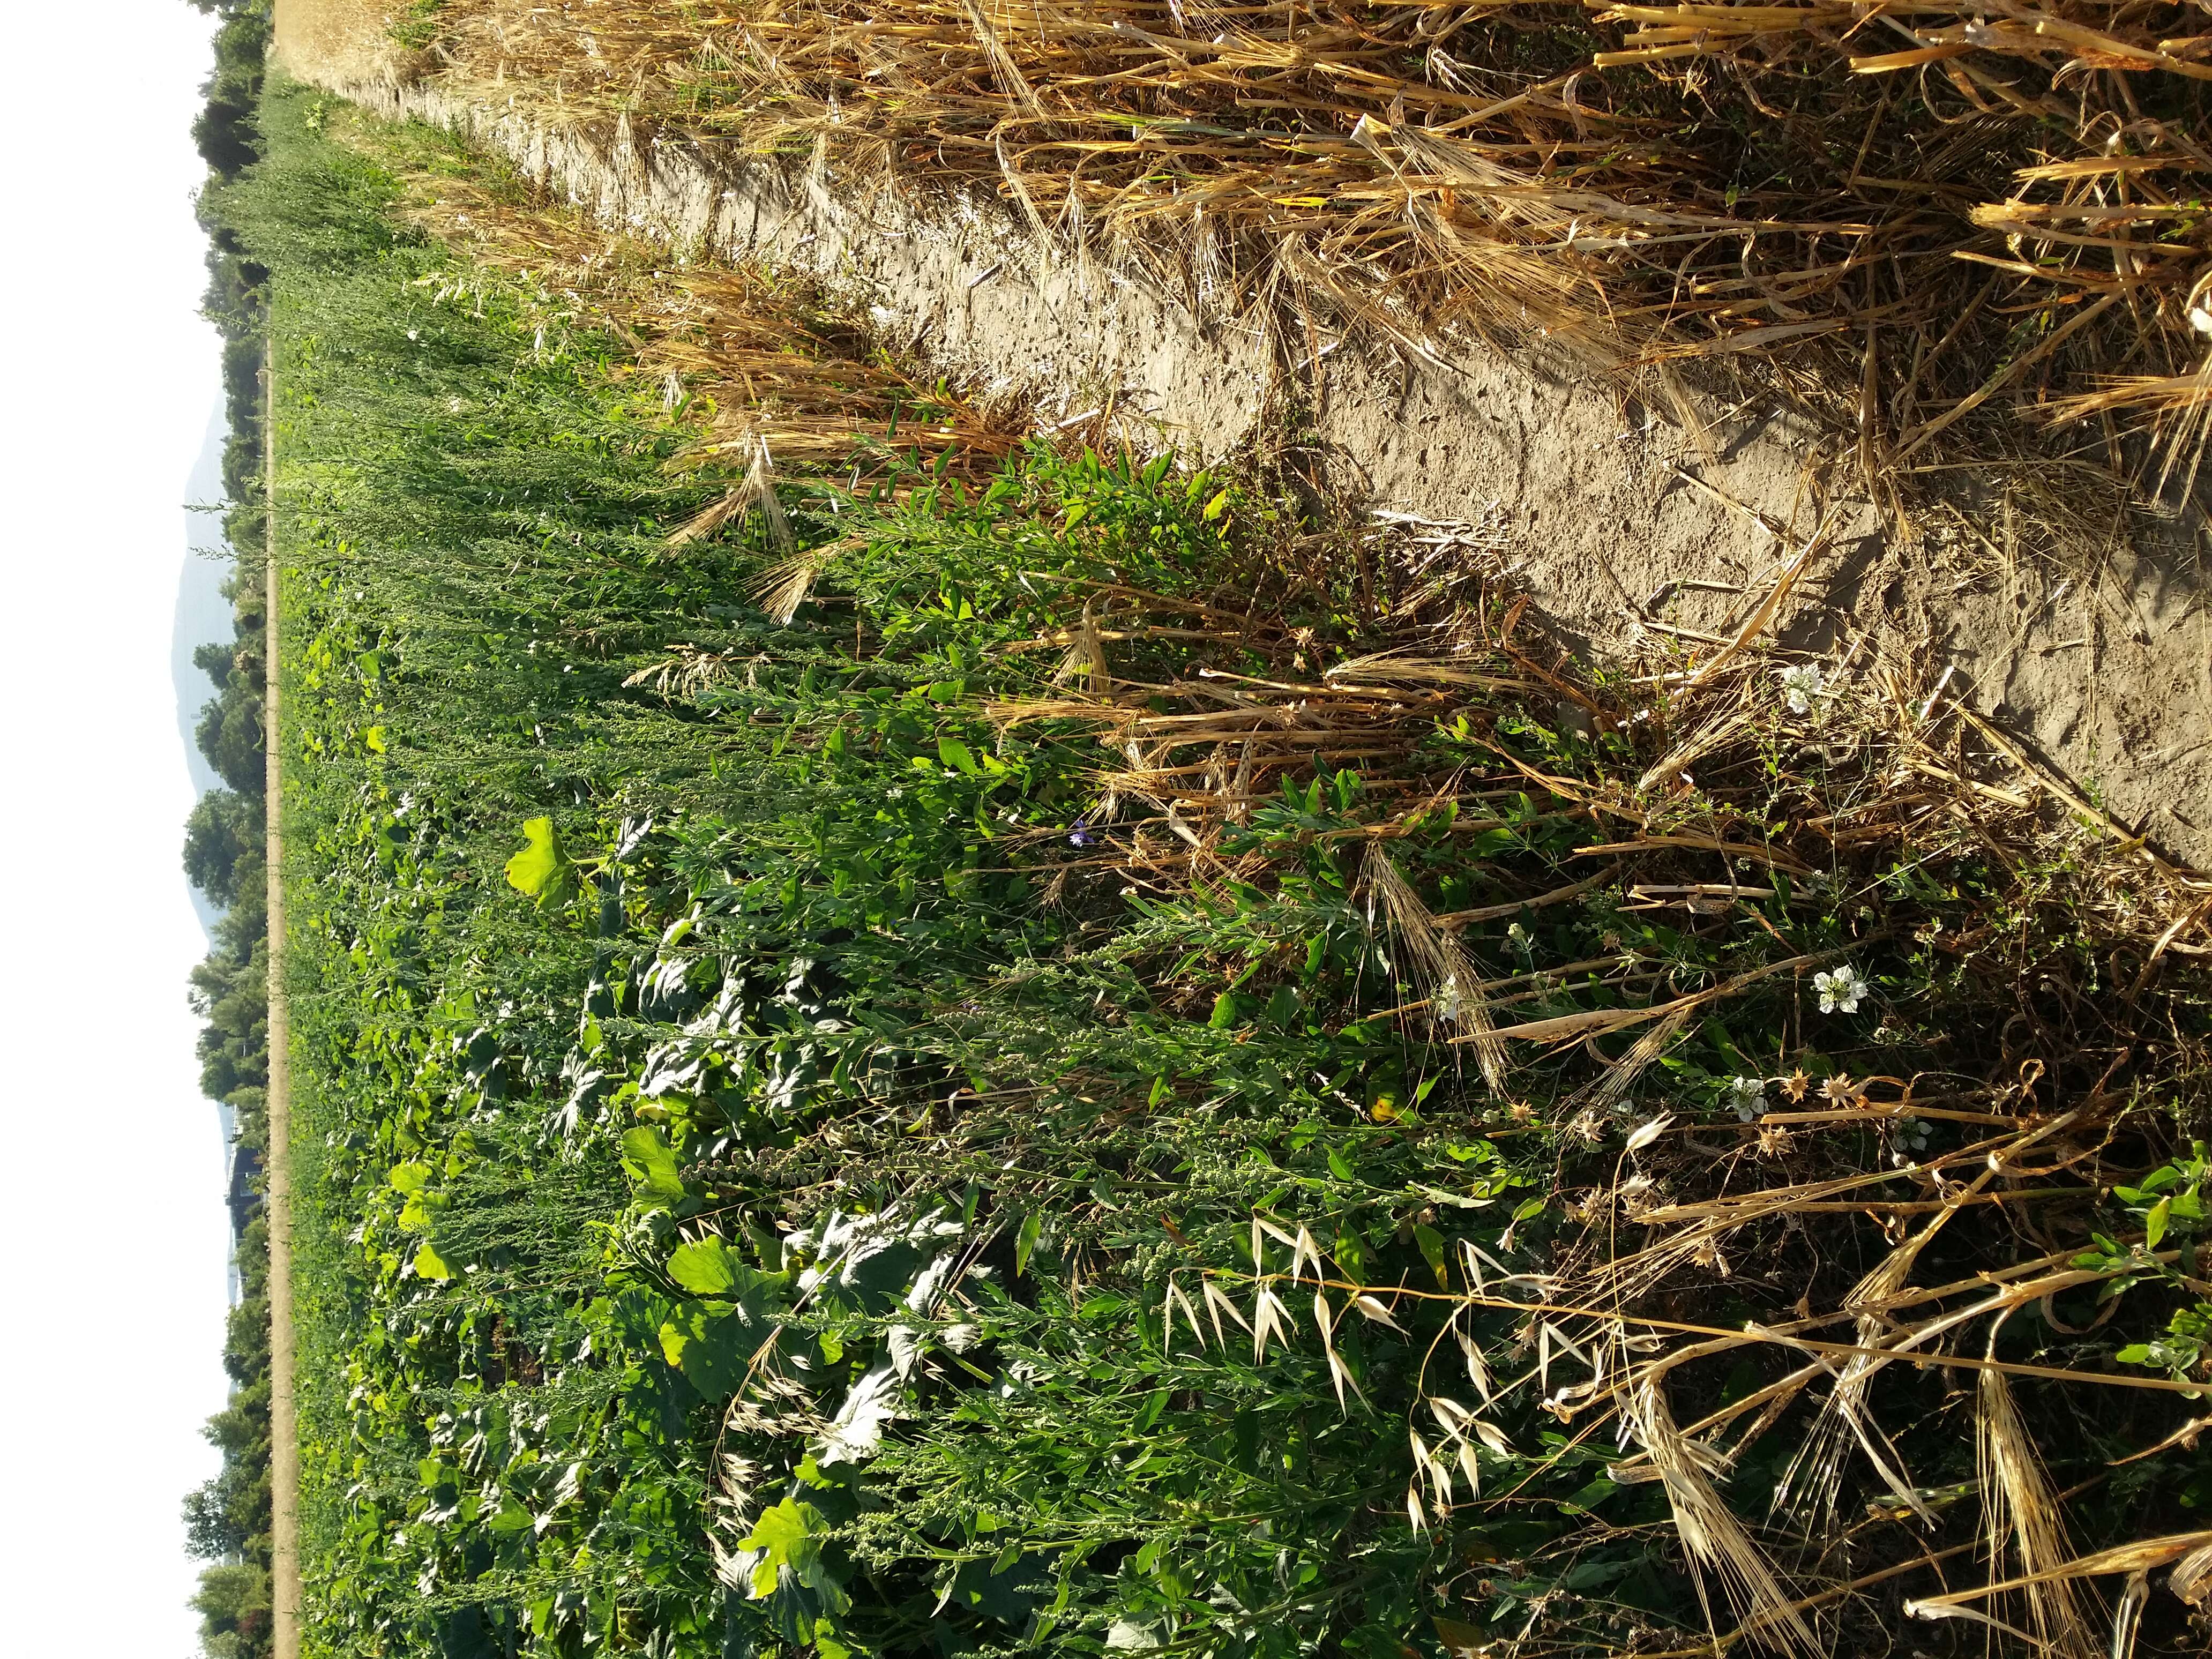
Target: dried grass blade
(2143, 1555)
(1712, 1534)
(2020, 1507)
(1438, 965)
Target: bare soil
(1623, 526)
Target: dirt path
(283, 1415)
(1621, 528)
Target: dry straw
(1922, 212)
(763, 373)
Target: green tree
(223, 841)
(235, 1612)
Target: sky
(113, 1228)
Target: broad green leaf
(415, 1214)
(2154, 1223)
(543, 869)
(708, 1267)
(428, 1265)
(712, 1269)
(789, 1538)
(713, 1342)
(711, 1345)
(651, 1165)
(957, 756)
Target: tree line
(227, 1519)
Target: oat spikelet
(686, 672)
(1714, 1539)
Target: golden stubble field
(2092, 647)
(335, 41)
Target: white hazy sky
(112, 1230)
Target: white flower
(1842, 989)
(1748, 1096)
(1450, 1005)
(1800, 684)
(1519, 935)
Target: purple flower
(1079, 833)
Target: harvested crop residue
(1641, 512)
(334, 42)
